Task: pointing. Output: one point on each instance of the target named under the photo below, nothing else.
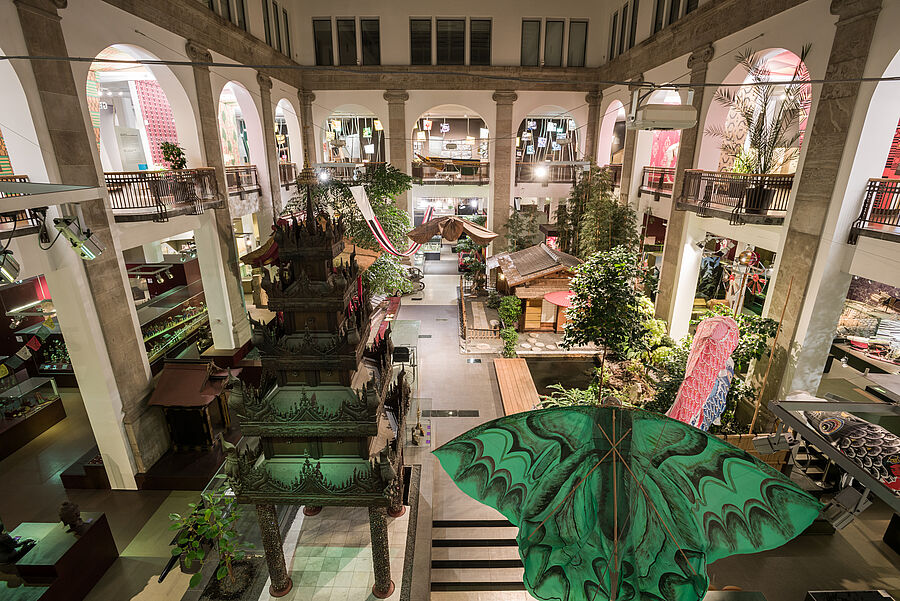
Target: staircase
(474, 555)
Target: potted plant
(173, 154)
(180, 186)
(210, 525)
(772, 113)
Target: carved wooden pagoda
(328, 412)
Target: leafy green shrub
(387, 276)
(567, 397)
(510, 310)
(510, 339)
(173, 154)
(493, 300)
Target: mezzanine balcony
(466, 173)
(880, 214)
(546, 173)
(18, 222)
(159, 195)
(242, 180)
(287, 175)
(658, 181)
(739, 197)
(347, 173)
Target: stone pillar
(216, 248)
(268, 210)
(381, 553)
(307, 130)
(272, 544)
(592, 131)
(676, 266)
(137, 435)
(397, 133)
(815, 190)
(628, 154)
(502, 167)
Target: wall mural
(5, 163)
(229, 134)
(159, 122)
(892, 165)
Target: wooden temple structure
(329, 412)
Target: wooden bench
(517, 390)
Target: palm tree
(772, 112)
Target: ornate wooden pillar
(397, 508)
(271, 538)
(381, 555)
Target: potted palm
(772, 112)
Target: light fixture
(9, 267)
(324, 176)
(159, 279)
(169, 275)
(82, 241)
(541, 171)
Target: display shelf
(175, 325)
(180, 335)
(19, 431)
(167, 302)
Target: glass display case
(173, 321)
(27, 396)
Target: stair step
(475, 533)
(482, 553)
(470, 524)
(484, 542)
(466, 564)
(476, 586)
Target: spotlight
(9, 267)
(82, 241)
(541, 171)
(159, 279)
(324, 176)
(845, 506)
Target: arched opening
(546, 136)
(353, 134)
(130, 112)
(612, 135)
(287, 133)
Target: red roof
(189, 384)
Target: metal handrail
(18, 220)
(616, 170)
(556, 174)
(157, 192)
(345, 172)
(478, 174)
(287, 174)
(658, 180)
(880, 211)
(241, 178)
(740, 193)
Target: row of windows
(449, 47)
(232, 10)
(352, 49)
(552, 42)
(623, 29)
(667, 12)
(277, 26)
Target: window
(614, 28)
(451, 41)
(287, 33)
(322, 41)
(241, 10)
(479, 42)
(267, 26)
(659, 16)
(674, 11)
(346, 37)
(531, 43)
(577, 43)
(275, 15)
(624, 29)
(371, 41)
(553, 43)
(420, 41)
(632, 37)
(691, 6)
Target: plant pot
(758, 199)
(227, 590)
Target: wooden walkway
(517, 390)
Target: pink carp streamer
(715, 340)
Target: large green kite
(623, 504)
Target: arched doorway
(612, 134)
(353, 134)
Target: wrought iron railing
(542, 173)
(881, 209)
(18, 221)
(452, 173)
(242, 179)
(742, 194)
(658, 181)
(155, 193)
(287, 174)
(344, 172)
(616, 171)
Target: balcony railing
(880, 214)
(743, 196)
(658, 181)
(616, 171)
(533, 173)
(18, 222)
(137, 195)
(242, 179)
(344, 172)
(287, 174)
(474, 174)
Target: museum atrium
(597, 301)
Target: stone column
(131, 435)
(628, 154)
(272, 544)
(306, 126)
(216, 248)
(381, 553)
(592, 129)
(268, 210)
(815, 190)
(502, 167)
(397, 133)
(678, 270)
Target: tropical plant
(592, 219)
(521, 229)
(509, 310)
(387, 276)
(566, 397)
(173, 154)
(606, 306)
(771, 111)
(510, 339)
(209, 525)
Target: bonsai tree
(209, 525)
(593, 220)
(771, 112)
(606, 306)
(173, 154)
